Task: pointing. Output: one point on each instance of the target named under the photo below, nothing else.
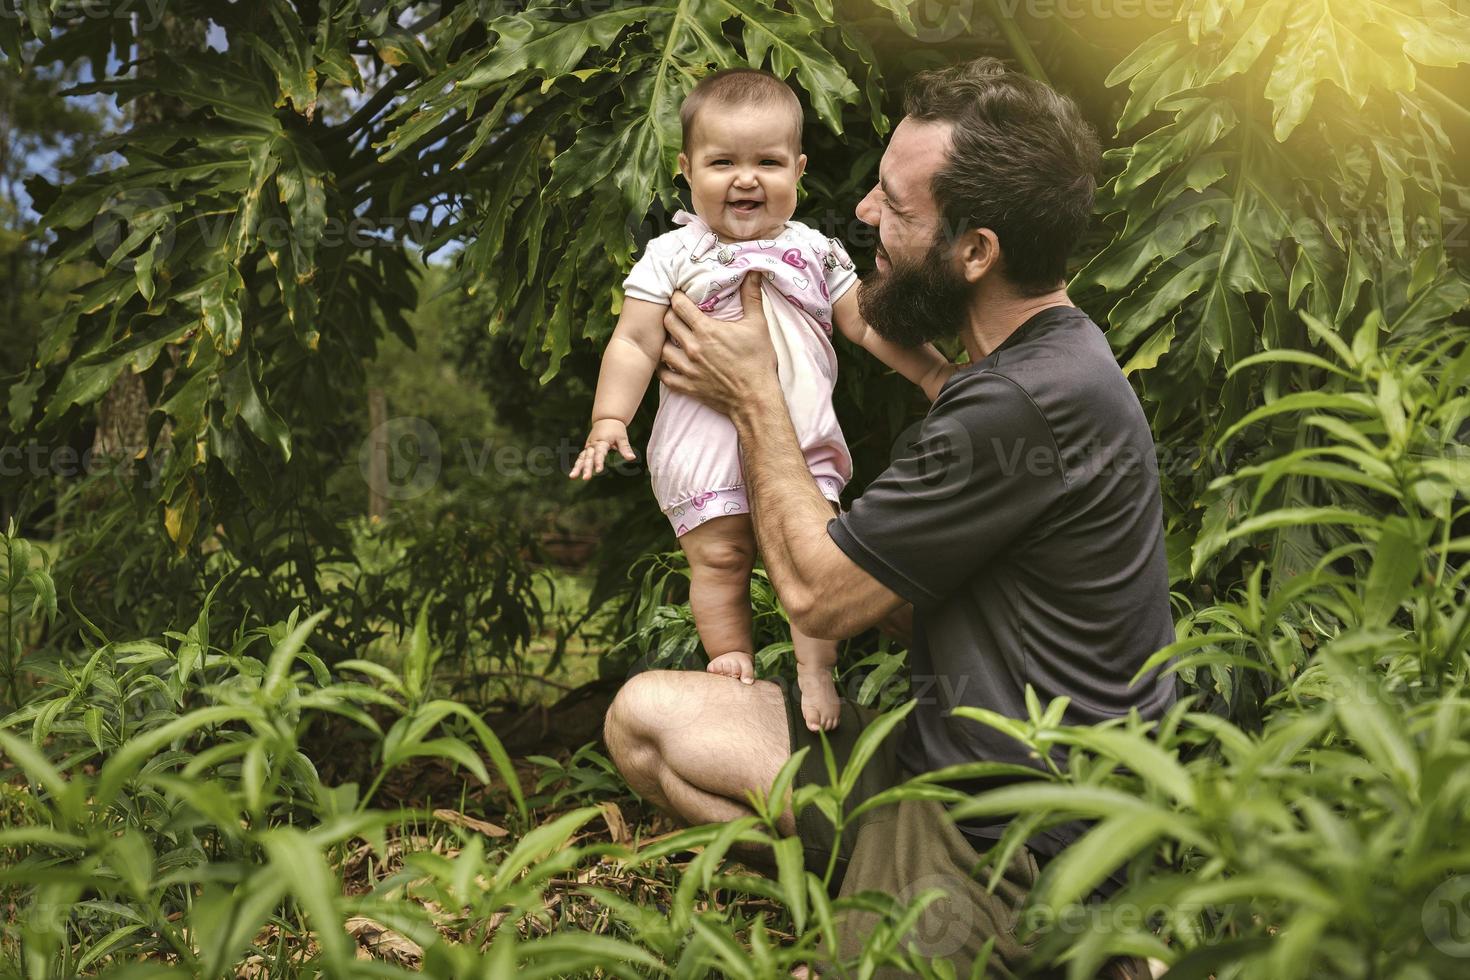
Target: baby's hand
(606, 434)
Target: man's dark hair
(1022, 162)
(740, 87)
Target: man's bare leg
(694, 743)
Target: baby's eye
(720, 163)
(770, 163)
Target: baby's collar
(707, 238)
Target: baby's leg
(815, 659)
(721, 554)
(814, 662)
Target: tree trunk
(122, 414)
(378, 458)
(122, 419)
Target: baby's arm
(924, 366)
(628, 364)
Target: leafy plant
(28, 593)
(1288, 167)
(168, 808)
(164, 808)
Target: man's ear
(979, 252)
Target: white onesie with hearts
(693, 453)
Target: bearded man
(1021, 526)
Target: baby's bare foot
(737, 664)
(819, 702)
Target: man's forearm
(789, 512)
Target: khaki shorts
(904, 849)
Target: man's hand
(723, 363)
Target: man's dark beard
(914, 303)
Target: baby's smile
(742, 170)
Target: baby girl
(742, 158)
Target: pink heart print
(700, 499)
(793, 258)
(822, 285)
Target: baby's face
(742, 169)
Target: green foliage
(1321, 838)
(120, 577)
(1258, 197)
(606, 116)
(37, 124)
(162, 804)
(28, 593)
(168, 807)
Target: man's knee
(631, 718)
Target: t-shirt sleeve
(652, 277)
(979, 471)
(838, 268)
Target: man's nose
(867, 209)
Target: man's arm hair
(826, 593)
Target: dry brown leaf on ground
(458, 819)
(617, 827)
(382, 942)
(301, 949)
(491, 925)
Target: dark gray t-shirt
(1022, 518)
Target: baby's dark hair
(736, 87)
